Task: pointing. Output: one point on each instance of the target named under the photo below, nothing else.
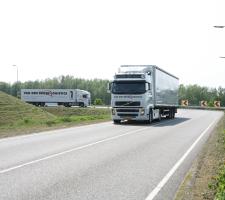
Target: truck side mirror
(148, 86)
(109, 85)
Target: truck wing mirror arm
(148, 86)
(109, 85)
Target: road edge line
(166, 178)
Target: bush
(98, 102)
(66, 119)
(26, 120)
(50, 122)
(211, 104)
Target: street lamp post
(220, 28)
(16, 73)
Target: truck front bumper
(136, 114)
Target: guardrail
(202, 108)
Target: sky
(91, 39)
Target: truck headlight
(142, 111)
(113, 111)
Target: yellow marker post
(217, 104)
(203, 104)
(184, 102)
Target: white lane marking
(78, 148)
(165, 179)
(70, 150)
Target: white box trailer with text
(66, 97)
(143, 93)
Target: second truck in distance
(65, 97)
(143, 93)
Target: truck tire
(160, 116)
(81, 104)
(116, 121)
(173, 115)
(150, 118)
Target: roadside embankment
(18, 118)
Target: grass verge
(30, 125)
(75, 111)
(217, 185)
(206, 178)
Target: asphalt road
(104, 161)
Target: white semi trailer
(143, 93)
(66, 97)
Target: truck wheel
(150, 119)
(116, 121)
(81, 104)
(173, 115)
(160, 116)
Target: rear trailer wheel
(173, 115)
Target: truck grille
(127, 115)
(127, 103)
(127, 110)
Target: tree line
(195, 93)
(98, 89)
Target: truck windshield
(125, 87)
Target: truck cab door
(71, 94)
(148, 88)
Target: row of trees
(194, 94)
(98, 89)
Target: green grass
(78, 115)
(15, 112)
(17, 117)
(217, 185)
(220, 178)
(82, 118)
(220, 190)
(64, 111)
